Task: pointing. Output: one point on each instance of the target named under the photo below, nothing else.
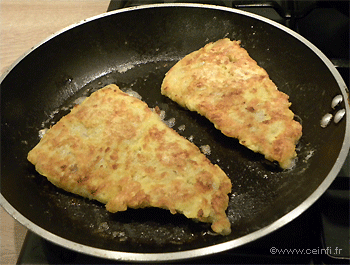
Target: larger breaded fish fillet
(112, 148)
(223, 83)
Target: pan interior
(37, 93)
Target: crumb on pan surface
(223, 83)
(112, 148)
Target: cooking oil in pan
(255, 181)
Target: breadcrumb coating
(223, 83)
(112, 148)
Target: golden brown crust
(223, 83)
(114, 149)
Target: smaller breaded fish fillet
(223, 83)
(112, 148)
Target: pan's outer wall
(135, 39)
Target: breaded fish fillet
(112, 148)
(223, 83)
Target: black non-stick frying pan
(134, 48)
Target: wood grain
(24, 24)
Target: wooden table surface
(24, 24)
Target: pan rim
(180, 255)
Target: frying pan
(134, 48)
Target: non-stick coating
(134, 49)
